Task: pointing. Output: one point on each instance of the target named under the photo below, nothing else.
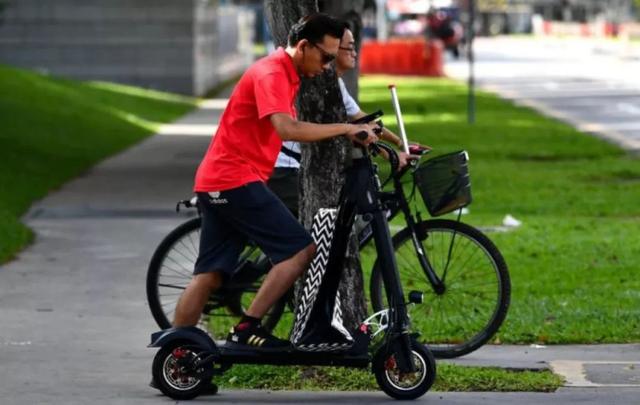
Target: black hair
(314, 27)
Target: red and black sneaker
(252, 336)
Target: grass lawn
(54, 129)
(449, 378)
(573, 262)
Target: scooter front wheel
(174, 372)
(400, 385)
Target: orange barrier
(593, 29)
(402, 57)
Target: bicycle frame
(393, 203)
(361, 194)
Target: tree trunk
(323, 163)
(282, 14)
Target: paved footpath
(73, 312)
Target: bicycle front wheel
(477, 287)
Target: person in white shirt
(284, 180)
(345, 61)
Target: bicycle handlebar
(378, 147)
(394, 159)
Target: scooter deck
(291, 356)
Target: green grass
(573, 262)
(449, 378)
(54, 129)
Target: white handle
(396, 107)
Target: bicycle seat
(193, 202)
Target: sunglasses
(326, 56)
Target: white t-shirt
(349, 103)
(285, 161)
(352, 109)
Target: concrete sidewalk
(74, 316)
(73, 310)
(603, 365)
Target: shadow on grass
(54, 129)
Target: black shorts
(252, 211)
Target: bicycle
(452, 262)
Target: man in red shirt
(230, 182)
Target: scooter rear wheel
(400, 385)
(173, 374)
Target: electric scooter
(404, 369)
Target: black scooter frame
(360, 195)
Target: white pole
(396, 107)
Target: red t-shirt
(245, 147)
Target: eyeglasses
(326, 56)
(350, 50)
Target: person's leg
(256, 213)
(279, 234)
(194, 298)
(218, 253)
(279, 280)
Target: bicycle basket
(444, 183)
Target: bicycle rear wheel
(477, 286)
(171, 269)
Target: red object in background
(611, 29)
(402, 57)
(584, 30)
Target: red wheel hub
(390, 364)
(179, 353)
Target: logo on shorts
(214, 198)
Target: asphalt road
(592, 84)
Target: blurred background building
(190, 46)
(497, 17)
(184, 46)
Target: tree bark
(323, 163)
(282, 14)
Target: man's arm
(290, 129)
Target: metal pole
(396, 107)
(471, 100)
